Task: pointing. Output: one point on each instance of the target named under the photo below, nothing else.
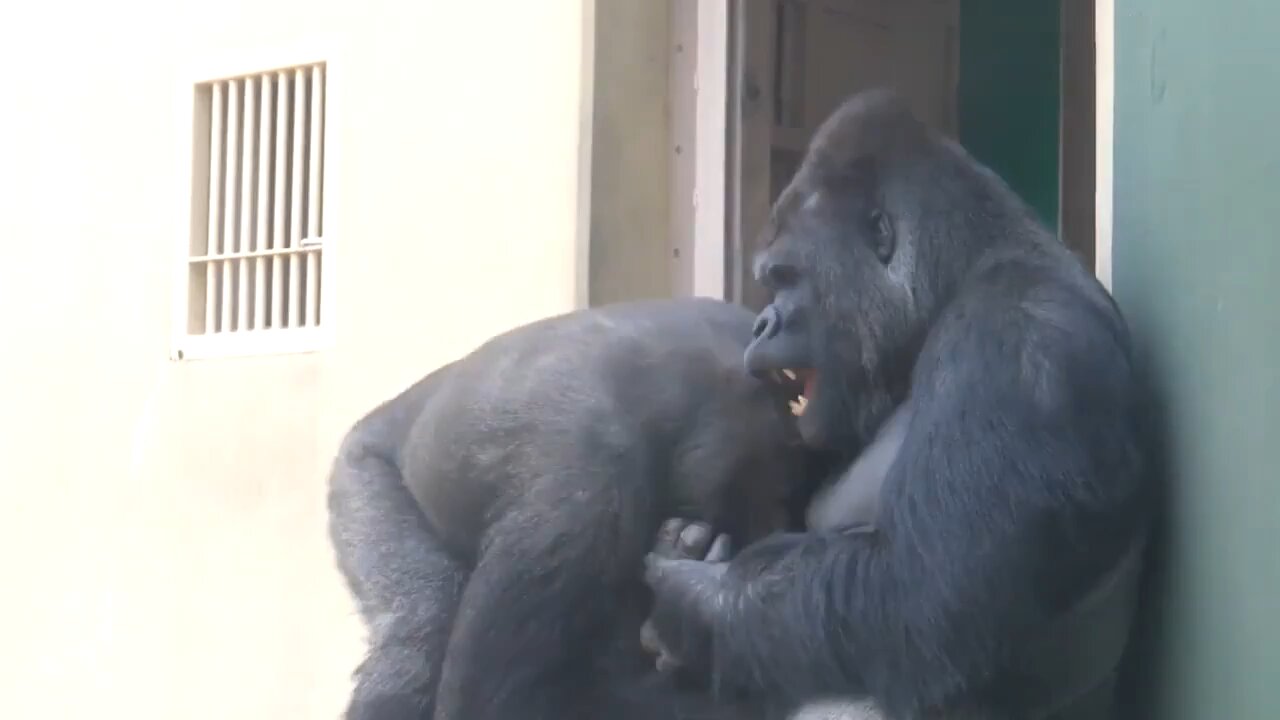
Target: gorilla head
(863, 248)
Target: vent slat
(314, 164)
(213, 242)
(247, 175)
(264, 206)
(278, 210)
(251, 254)
(298, 189)
(231, 198)
(313, 287)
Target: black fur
(904, 272)
(501, 508)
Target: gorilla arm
(849, 504)
(752, 604)
(699, 587)
(990, 530)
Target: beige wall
(164, 521)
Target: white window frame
(185, 346)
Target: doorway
(1013, 80)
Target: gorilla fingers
(688, 561)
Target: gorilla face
(833, 234)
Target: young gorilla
(1014, 504)
(502, 506)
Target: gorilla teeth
(798, 405)
(786, 378)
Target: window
(254, 264)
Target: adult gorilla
(492, 520)
(906, 275)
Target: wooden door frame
(1104, 44)
(698, 66)
(717, 231)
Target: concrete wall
(164, 521)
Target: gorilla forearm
(782, 615)
(913, 612)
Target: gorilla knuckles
(905, 274)
(843, 270)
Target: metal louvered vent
(257, 227)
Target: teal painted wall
(1197, 271)
(1009, 93)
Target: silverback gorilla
(906, 275)
(492, 520)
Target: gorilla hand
(686, 572)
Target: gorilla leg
(511, 617)
(547, 586)
(406, 586)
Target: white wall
(164, 521)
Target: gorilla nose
(768, 324)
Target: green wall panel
(1197, 271)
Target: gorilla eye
(882, 240)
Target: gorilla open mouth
(781, 352)
(799, 385)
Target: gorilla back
(502, 506)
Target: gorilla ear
(883, 240)
(858, 179)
